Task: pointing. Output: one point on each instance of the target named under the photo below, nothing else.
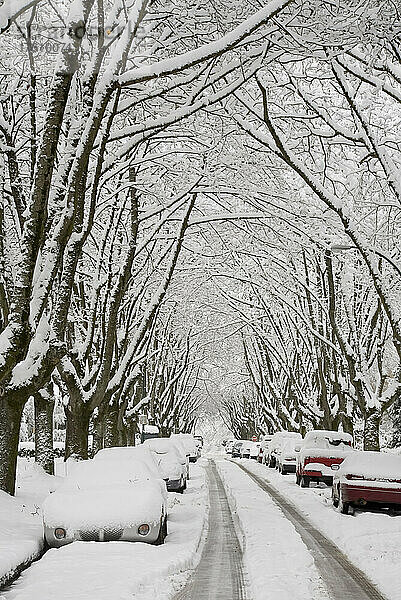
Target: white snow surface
(275, 556)
(21, 531)
(372, 541)
(372, 465)
(116, 505)
(124, 570)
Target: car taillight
(60, 533)
(143, 529)
(351, 476)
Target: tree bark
(98, 433)
(111, 427)
(77, 430)
(44, 454)
(371, 439)
(10, 423)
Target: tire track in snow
(344, 580)
(219, 574)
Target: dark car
(368, 480)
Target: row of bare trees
(103, 179)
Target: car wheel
(298, 479)
(283, 471)
(334, 499)
(165, 527)
(305, 481)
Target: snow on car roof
(326, 433)
(131, 453)
(123, 505)
(161, 445)
(375, 465)
(88, 474)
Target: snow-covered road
(219, 575)
(371, 541)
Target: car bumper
(112, 534)
(362, 495)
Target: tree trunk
(98, 433)
(44, 454)
(111, 427)
(77, 431)
(371, 439)
(10, 422)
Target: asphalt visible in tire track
(219, 574)
(344, 581)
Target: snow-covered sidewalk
(21, 531)
(122, 570)
(372, 541)
(276, 559)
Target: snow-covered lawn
(372, 541)
(123, 570)
(275, 556)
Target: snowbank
(267, 537)
(122, 570)
(372, 541)
(21, 530)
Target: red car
(368, 479)
(320, 454)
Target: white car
(106, 501)
(229, 446)
(270, 453)
(250, 450)
(134, 453)
(137, 455)
(287, 455)
(189, 443)
(171, 461)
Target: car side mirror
(335, 467)
(297, 448)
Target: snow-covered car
(254, 450)
(368, 479)
(263, 446)
(182, 449)
(190, 444)
(236, 450)
(139, 453)
(246, 449)
(106, 500)
(171, 461)
(287, 456)
(320, 454)
(229, 446)
(270, 453)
